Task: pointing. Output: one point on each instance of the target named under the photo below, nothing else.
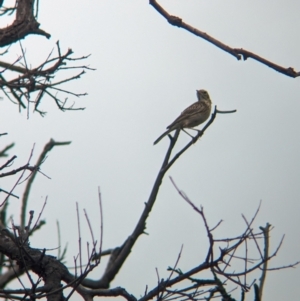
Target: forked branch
(120, 253)
(32, 84)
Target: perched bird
(192, 116)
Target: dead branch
(220, 259)
(3, 152)
(120, 254)
(39, 81)
(47, 148)
(238, 53)
(25, 23)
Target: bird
(192, 116)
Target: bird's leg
(188, 133)
(199, 131)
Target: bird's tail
(162, 136)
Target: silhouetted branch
(226, 255)
(39, 80)
(23, 25)
(262, 279)
(120, 254)
(238, 53)
(47, 148)
(3, 152)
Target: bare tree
(47, 275)
(19, 258)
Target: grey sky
(147, 73)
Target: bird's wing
(192, 109)
(189, 111)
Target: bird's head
(202, 95)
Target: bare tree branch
(23, 25)
(47, 148)
(39, 81)
(238, 53)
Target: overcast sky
(147, 73)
